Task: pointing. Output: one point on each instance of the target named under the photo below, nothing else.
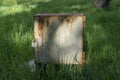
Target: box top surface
(59, 14)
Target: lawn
(101, 40)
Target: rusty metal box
(58, 38)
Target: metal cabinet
(58, 38)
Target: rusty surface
(58, 38)
(58, 15)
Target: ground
(101, 41)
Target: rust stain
(50, 20)
(47, 23)
(70, 20)
(84, 19)
(82, 59)
(40, 27)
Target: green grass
(101, 43)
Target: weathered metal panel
(58, 38)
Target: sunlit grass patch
(17, 2)
(6, 10)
